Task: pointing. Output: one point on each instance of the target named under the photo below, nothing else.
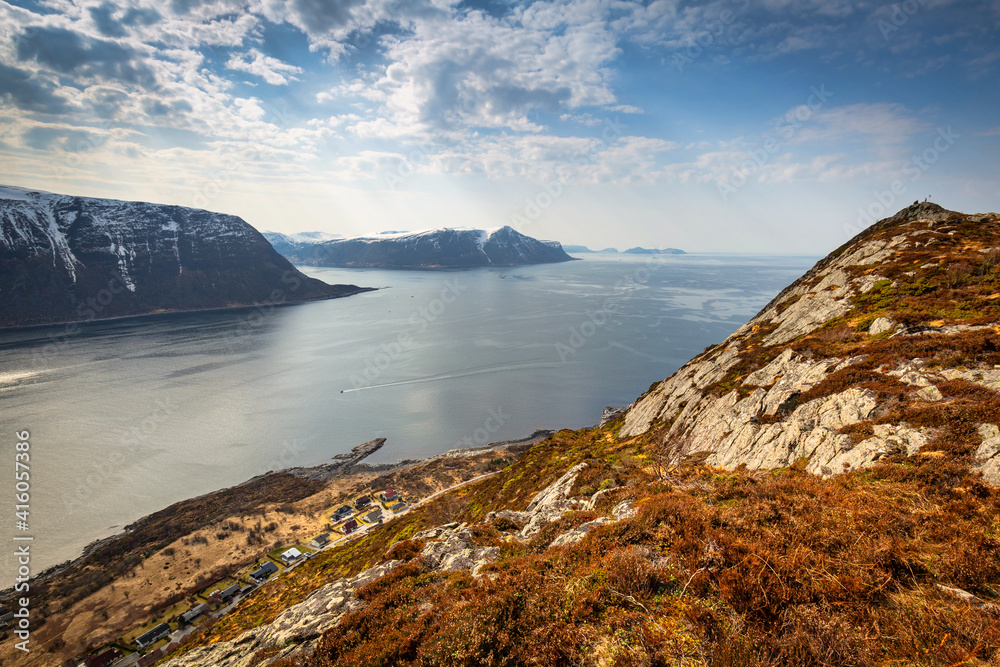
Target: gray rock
(888, 439)
(989, 378)
(453, 551)
(622, 510)
(988, 454)
(551, 503)
(576, 534)
(296, 628)
(882, 325)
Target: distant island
(653, 251)
(68, 259)
(582, 249)
(432, 249)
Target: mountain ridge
(432, 249)
(65, 258)
(743, 402)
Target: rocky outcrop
(340, 463)
(988, 453)
(547, 506)
(882, 325)
(451, 549)
(756, 398)
(293, 631)
(622, 510)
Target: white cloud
(272, 70)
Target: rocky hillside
(438, 248)
(68, 258)
(887, 346)
(858, 522)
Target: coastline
(341, 466)
(12, 328)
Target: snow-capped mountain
(289, 244)
(66, 258)
(437, 248)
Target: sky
(721, 126)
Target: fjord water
(129, 416)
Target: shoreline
(11, 328)
(341, 466)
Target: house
(350, 527)
(342, 512)
(153, 636)
(245, 589)
(229, 593)
(374, 516)
(291, 556)
(193, 613)
(362, 502)
(320, 541)
(398, 507)
(264, 572)
(150, 658)
(104, 658)
(390, 495)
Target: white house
(291, 555)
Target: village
(148, 644)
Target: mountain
(653, 251)
(289, 244)
(581, 249)
(438, 248)
(857, 361)
(65, 258)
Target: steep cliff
(68, 258)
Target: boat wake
(459, 374)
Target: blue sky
(728, 125)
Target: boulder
(882, 325)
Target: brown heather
(717, 568)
